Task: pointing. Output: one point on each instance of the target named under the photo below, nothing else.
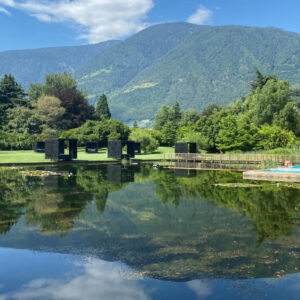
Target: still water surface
(116, 232)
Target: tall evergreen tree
(177, 113)
(162, 116)
(5, 104)
(261, 80)
(13, 91)
(102, 109)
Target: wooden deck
(249, 164)
(233, 158)
(232, 161)
(207, 165)
(272, 176)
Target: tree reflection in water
(200, 224)
(54, 202)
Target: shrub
(148, 142)
(272, 137)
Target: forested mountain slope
(115, 67)
(214, 65)
(32, 65)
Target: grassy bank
(28, 156)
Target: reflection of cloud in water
(99, 280)
(201, 288)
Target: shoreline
(74, 162)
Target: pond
(134, 232)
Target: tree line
(267, 118)
(45, 111)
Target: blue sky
(48, 23)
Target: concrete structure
(115, 149)
(39, 147)
(91, 147)
(185, 148)
(137, 148)
(55, 149)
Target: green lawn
(28, 156)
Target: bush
(145, 136)
(184, 134)
(98, 131)
(272, 137)
(22, 141)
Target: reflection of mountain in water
(159, 223)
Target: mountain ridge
(31, 65)
(196, 65)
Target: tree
(98, 131)
(227, 136)
(211, 109)
(12, 90)
(23, 124)
(102, 109)
(148, 142)
(35, 91)
(169, 133)
(187, 134)
(162, 117)
(247, 137)
(260, 80)
(77, 109)
(3, 140)
(21, 119)
(50, 111)
(189, 116)
(272, 137)
(167, 115)
(270, 100)
(177, 113)
(295, 94)
(288, 118)
(5, 104)
(73, 100)
(135, 125)
(209, 127)
(59, 81)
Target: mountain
(196, 65)
(212, 65)
(32, 65)
(113, 68)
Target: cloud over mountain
(201, 16)
(95, 20)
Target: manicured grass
(28, 156)
(158, 154)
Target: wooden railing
(233, 158)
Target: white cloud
(96, 20)
(99, 280)
(3, 10)
(201, 16)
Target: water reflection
(165, 224)
(89, 279)
(60, 276)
